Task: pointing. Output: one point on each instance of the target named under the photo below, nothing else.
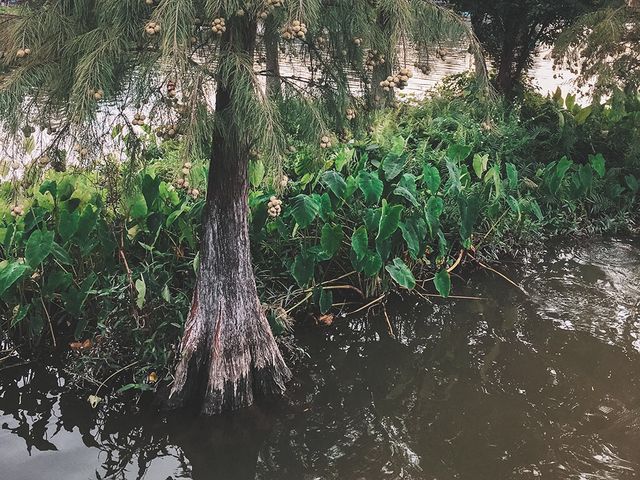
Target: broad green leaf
(598, 164)
(88, 220)
(331, 239)
(138, 206)
(407, 188)
(455, 177)
(393, 164)
(480, 163)
(582, 116)
(557, 174)
(371, 186)
(632, 183)
(401, 274)
(469, 210)
(433, 210)
(60, 254)
(256, 173)
(150, 189)
(389, 220)
(442, 281)
(141, 288)
(570, 101)
(512, 176)
(360, 242)
(537, 211)
(343, 157)
(514, 204)
(302, 268)
(335, 182)
(38, 247)
(585, 174)
(304, 210)
(326, 300)
(372, 264)
(68, 224)
(10, 273)
(431, 177)
(458, 153)
(414, 231)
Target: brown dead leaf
(80, 346)
(326, 319)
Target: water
(510, 387)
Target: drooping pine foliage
(604, 47)
(74, 63)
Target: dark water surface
(505, 388)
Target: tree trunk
(274, 87)
(380, 98)
(228, 355)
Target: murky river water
(509, 387)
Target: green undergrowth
(107, 262)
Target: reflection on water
(505, 388)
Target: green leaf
(372, 264)
(60, 254)
(141, 288)
(393, 163)
(86, 223)
(10, 274)
(336, 183)
(442, 281)
(407, 188)
(256, 173)
(326, 300)
(598, 164)
(150, 188)
(360, 242)
(38, 247)
(304, 210)
(330, 239)
(458, 152)
(433, 210)
(585, 174)
(371, 186)
(512, 176)
(455, 177)
(431, 178)
(582, 116)
(389, 220)
(632, 183)
(414, 231)
(343, 157)
(302, 268)
(480, 163)
(535, 208)
(401, 274)
(68, 224)
(558, 173)
(469, 210)
(138, 206)
(514, 204)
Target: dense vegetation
(105, 258)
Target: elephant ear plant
(191, 68)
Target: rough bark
(274, 87)
(228, 355)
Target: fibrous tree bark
(228, 355)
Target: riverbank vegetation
(105, 259)
(177, 249)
